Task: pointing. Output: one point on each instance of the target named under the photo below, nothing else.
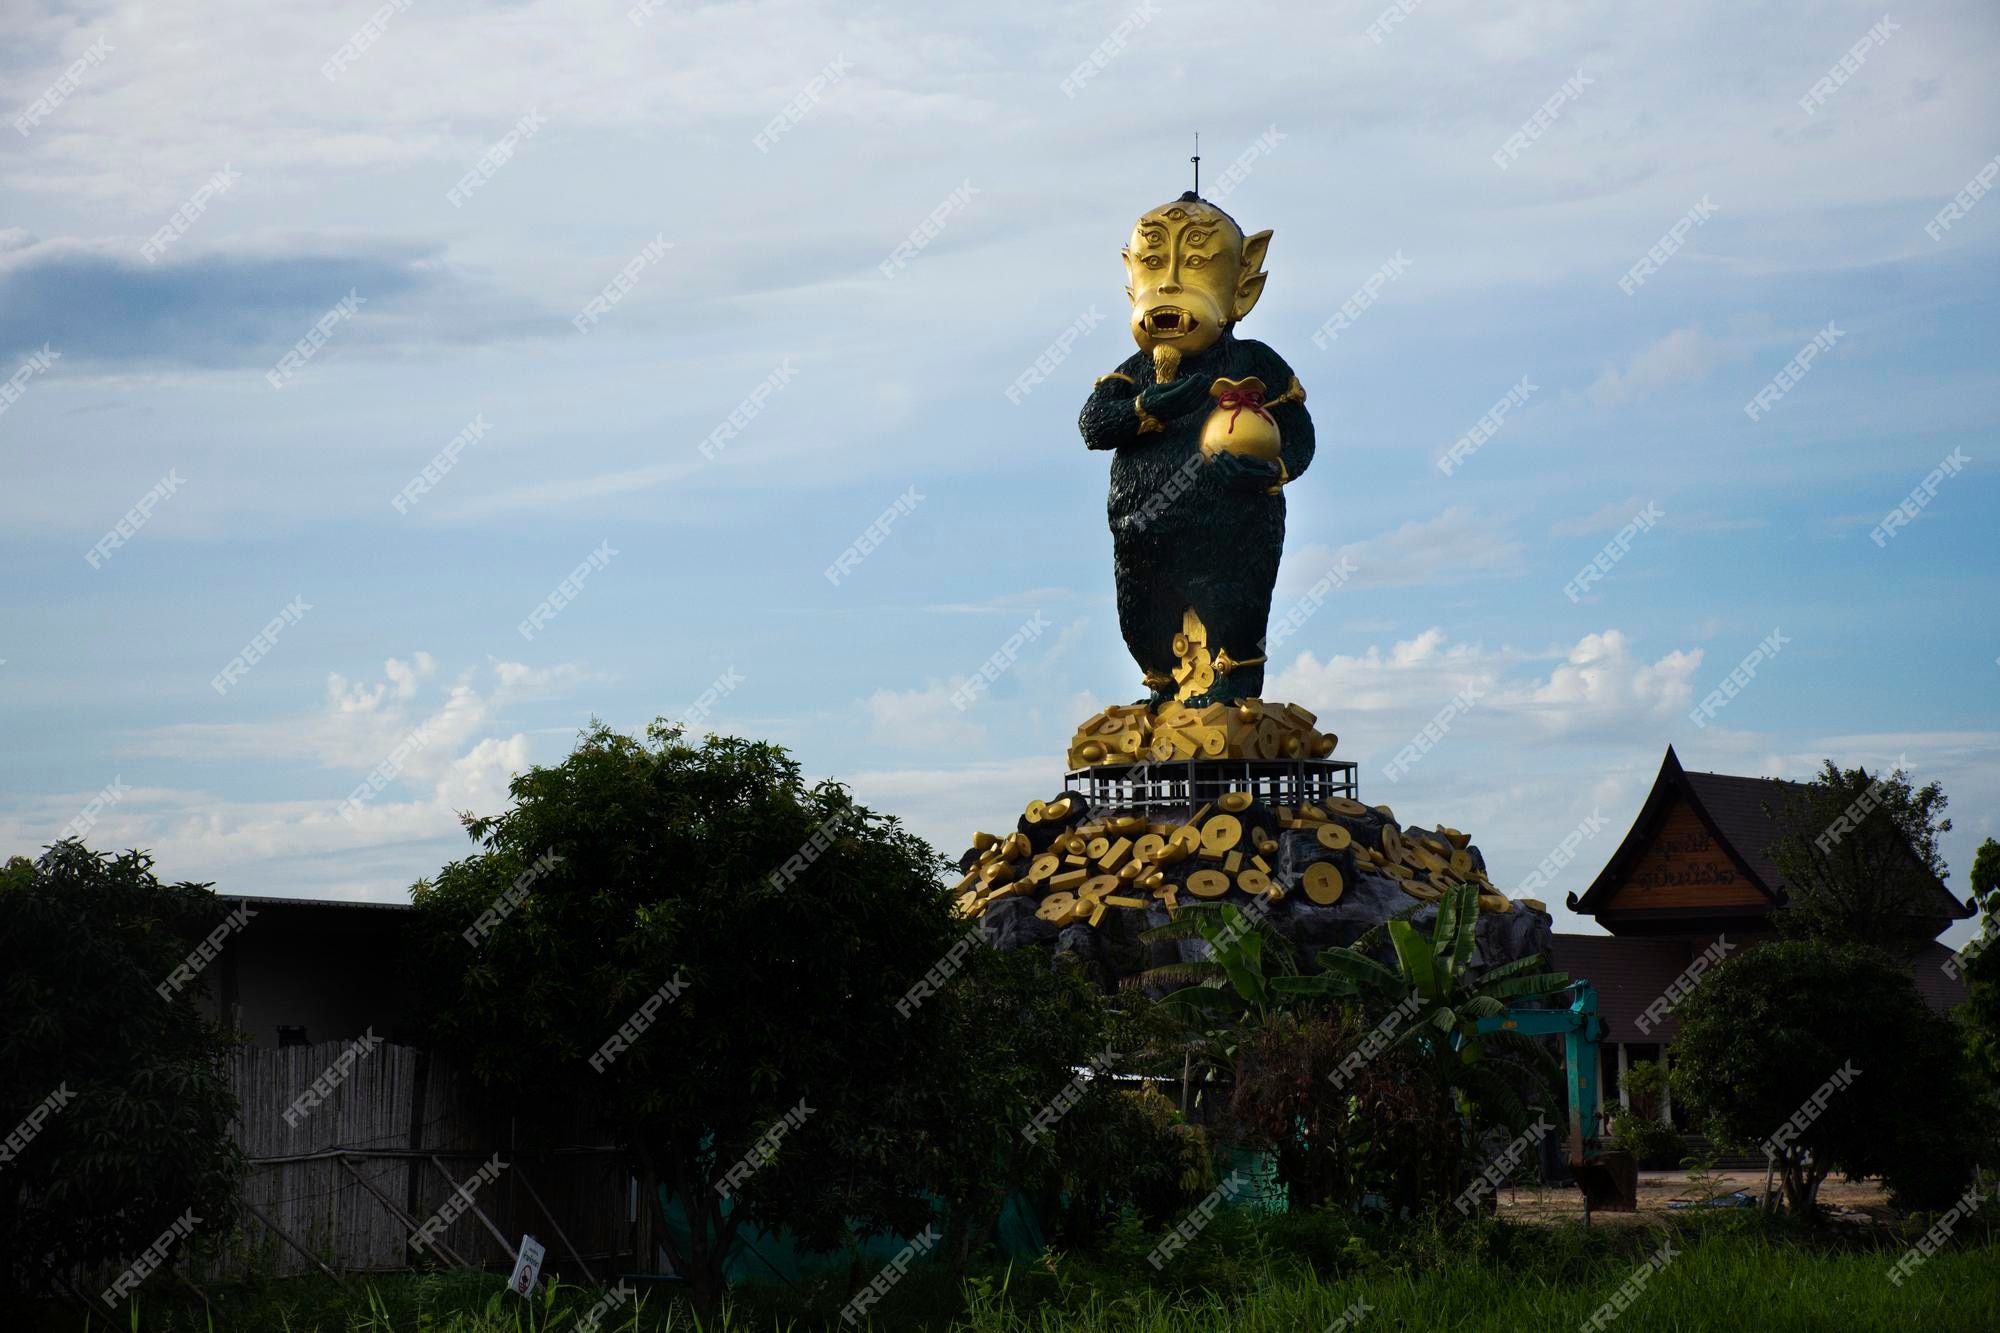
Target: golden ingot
(1115, 853)
(1180, 645)
(1190, 272)
(1119, 900)
(1266, 846)
(1324, 746)
(984, 840)
(1057, 907)
(1235, 802)
(1148, 847)
(997, 872)
(1294, 747)
(1096, 913)
(1261, 864)
(1221, 833)
(1233, 862)
(1045, 865)
(1068, 879)
(1323, 883)
(1458, 839)
(1535, 903)
(1494, 902)
(1334, 837)
(1208, 883)
(967, 904)
(1253, 881)
(1059, 808)
(1305, 718)
(1090, 753)
(1132, 870)
(1017, 845)
(1240, 423)
(1312, 812)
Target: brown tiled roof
(1940, 988)
(1629, 974)
(1746, 815)
(1736, 806)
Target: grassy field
(1270, 1276)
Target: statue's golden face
(1192, 273)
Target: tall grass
(1269, 1276)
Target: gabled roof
(1670, 787)
(1736, 811)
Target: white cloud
(1458, 544)
(1684, 356)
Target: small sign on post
(527, 1266)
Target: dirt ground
(1860, 1201)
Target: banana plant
(1440, 1001)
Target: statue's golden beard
(1166, 362)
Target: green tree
(1979, 964)
(1860, 860)
(116, 1100)
(782, 928)
(1828, 1059)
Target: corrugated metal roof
(256, 900)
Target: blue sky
(1353, 151)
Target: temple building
(1694, 880)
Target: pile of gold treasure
(1076, 864)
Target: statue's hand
(1175, 398)
(1243, 473)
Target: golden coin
(1461, 864)
(1419, 890)
(1235, 802)
(1056, 907)
(1392, 843)
(1036, 812)
(1441, 881)
(1180, 645)
(1187, 836)
(1341, 805)
(1097, 847)
(1048, 863)
(1208, 883)
(1495, 902)
(1221, 833)
(1148, 847)
(1323, 883)
(1334, 837)
(1397, 872)
(1253, 881)
(1097, 886)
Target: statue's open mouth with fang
(1170, 322)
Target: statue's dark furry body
(1184, 531)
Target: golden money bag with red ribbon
(1240, 424)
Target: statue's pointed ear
(1251, 285)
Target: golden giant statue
(1205, 429)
